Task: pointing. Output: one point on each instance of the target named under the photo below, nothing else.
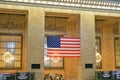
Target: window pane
(117, 52)
(10, 46)
(10, 51)
(98, 49)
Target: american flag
(63, 46)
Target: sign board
(25, 76)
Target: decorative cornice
(91, 4)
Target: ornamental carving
(12, 21)
(55, 24)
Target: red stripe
(64, 49)
(69, 40)
(60, 52)
(58, 55)
(70, 46)
(66, 56)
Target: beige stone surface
(35, 41)
(87, 45)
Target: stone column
(119, 27)
(35, 44)
(87, 36)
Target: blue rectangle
(53, 41)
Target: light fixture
(98, 57)
(8, 57)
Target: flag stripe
(78, 43)
(70, 39)
(70, 49)
(64, 55)
(70, 46)
(64, 47)
(69, 52)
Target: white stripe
(70, 39)
(74, 46)
(70, 52)
(70, 42)
(63, 55)
(64, 48)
